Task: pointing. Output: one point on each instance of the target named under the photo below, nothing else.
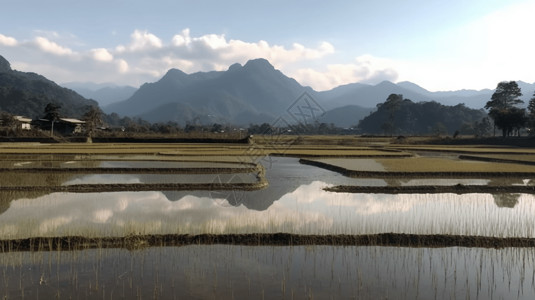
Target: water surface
(245, 272)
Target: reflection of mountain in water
(7, 196)
(501, 200)
(506, 200)
(284, 174)
(33, 178)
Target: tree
(506, 96)
(439, 129)
(502, 106)
(510, 120)
(392, 105)
(482, 128)
(216, 127)
(531, 116)
(531, 105)
(92, 118)
(52, 114)
(7, 120)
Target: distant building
(23, 123)
(72, 126)
(64, 126)
(16, 122)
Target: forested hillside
(399, 116)
(28, 94)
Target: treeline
(399, 116)
(313, 127)
(505, 111)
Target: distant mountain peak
(385, 83)
(409, 84)
(174, 76)
(174, 73)
(4, 65)
(235, 67)
(259, 63)
(413, 87)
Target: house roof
(73, 121)
(66, 120)
(22, 119)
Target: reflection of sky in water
(159, 178)
(119, 164)
(293, 202)
(280, 272)
(308, 210)
(169, 164)
(272, 272)
(444, 181)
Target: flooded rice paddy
(294, 202)
(271, 272)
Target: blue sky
(440, 45)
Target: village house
(23, 123)
(64, 126)
(15, 122)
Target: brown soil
(260, 239)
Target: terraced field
(245, 211)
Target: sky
(439, 45)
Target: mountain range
(104, 93)
(252, 93)
(256, 92)
(27, 93)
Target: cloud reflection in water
(306, 210)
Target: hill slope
(104, 94)
(28, 94)
(242, 94)
(257, 93)
(403, 116)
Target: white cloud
(365, 68)
(213, 50)
(182, 39)
(146, 58)
(122, 66)
(142, 40)
(213, 41)
(51, 47)
(102, 54)
(7, 41)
